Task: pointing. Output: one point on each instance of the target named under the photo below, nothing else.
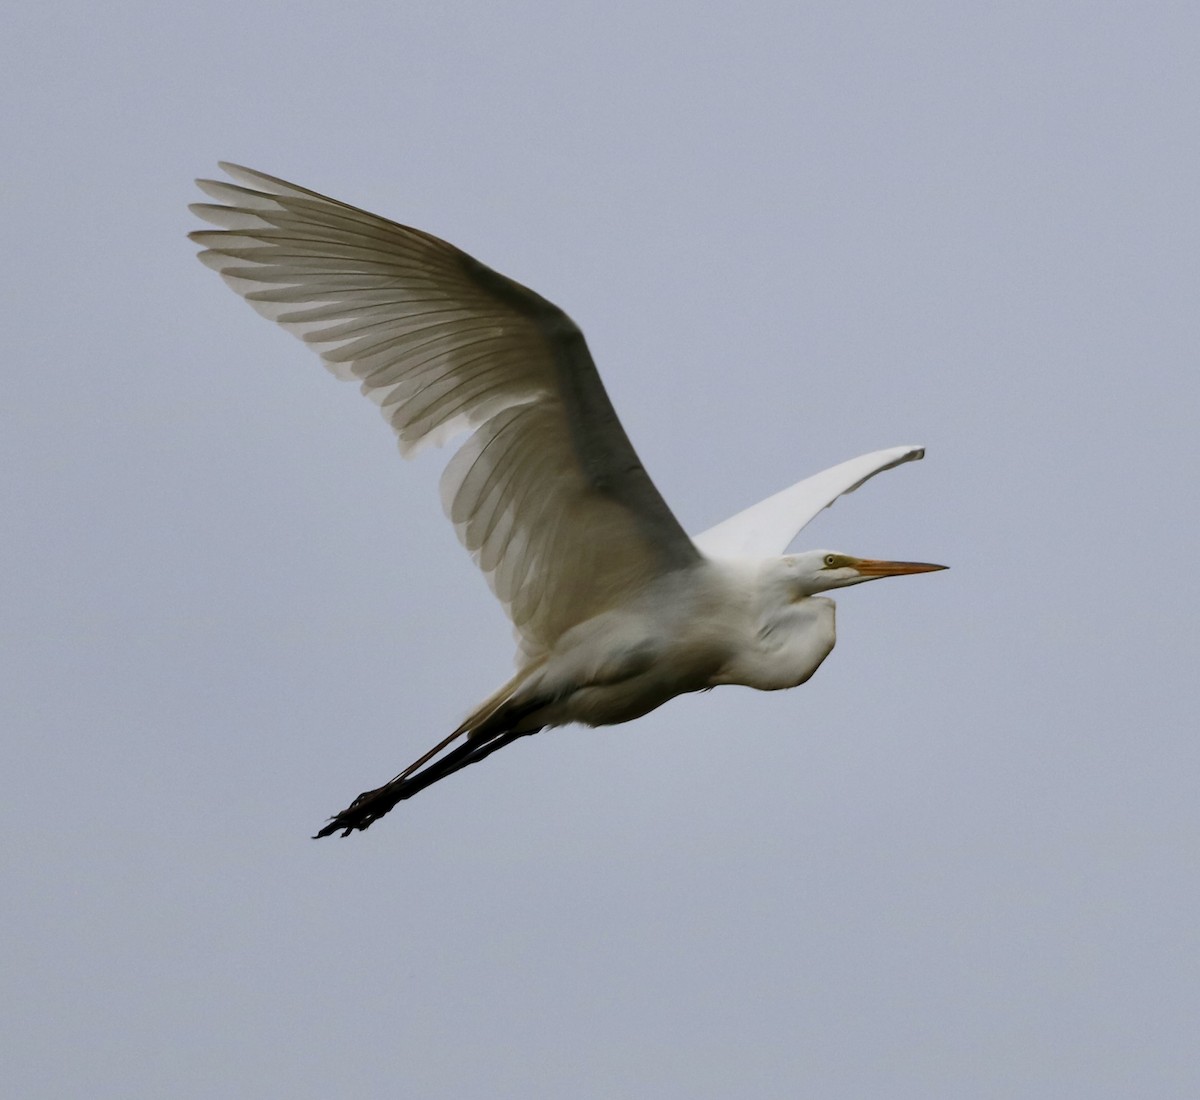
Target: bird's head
(816, 571)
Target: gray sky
(961, 862)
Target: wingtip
(232, 168)
(913, 452)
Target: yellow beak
(870, 568)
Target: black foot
(361, 812)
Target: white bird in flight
(616, 609)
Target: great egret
(616, 609)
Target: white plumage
(616, 609)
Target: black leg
(371, 805)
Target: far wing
(547, 494)
(768, 527)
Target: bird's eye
(830, 561)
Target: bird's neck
(788, 645)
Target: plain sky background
(961, 862)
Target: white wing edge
(768, 527)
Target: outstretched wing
(768, 527)
(547, 494)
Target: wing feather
(768, 527)
(547, 492)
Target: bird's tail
(496, 723)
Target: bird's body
(687, 631)
(616, 609)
